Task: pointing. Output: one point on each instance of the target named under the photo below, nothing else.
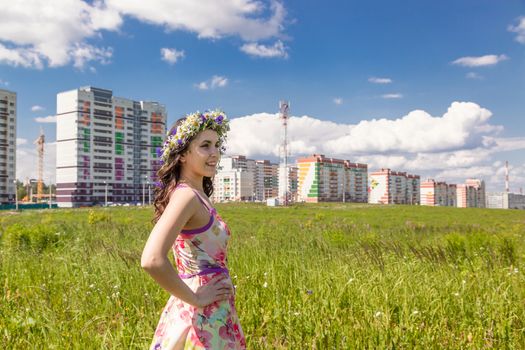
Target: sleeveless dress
(200, 255)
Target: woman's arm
(155, 260)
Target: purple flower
(174, 132)
(219, 119)
(203, 117)
(179, 141)
(159, 152)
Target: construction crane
(39, 142)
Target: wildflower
(415, 312)
(296, 313)
(456, 294)
(265, 284)
(378, 314)
(91, 285)
(309, 292)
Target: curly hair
(168, 176)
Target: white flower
(265, 284)
(456, 294)
(91, 285)
(415, 312)
(378, 314)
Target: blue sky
(344, 65)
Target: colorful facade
(436, 193)
(394, 187)
(106, 145)
(471, 194)
(7, 146)
(322, 179)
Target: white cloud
(4, 82)
(258, 50)
(37, 108)
(171, 55)
(20, 141)
(462, 138)
(48, 119)
(519, 29)
(209, 18)
(376, 80)
(37, 33)
(27, 160)
(464, 125)
(214, 82)
(473, 75)
(338, 100)
(487, 60)
(392, 96)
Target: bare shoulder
(182, 198)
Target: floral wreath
(193, 124)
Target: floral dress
(200, 255)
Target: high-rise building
(505, 200)
(394, 187)
(288, 178)
(323, 179)
(106, 147)
(266, 180)
(234, 180)
(438, 193)
(7, 146)
(242, 179)
(471, 194)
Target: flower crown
(193, 124)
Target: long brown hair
(168, 176)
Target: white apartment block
(7, 146)
(106, 145)
(233, 185)
(287, 183)
(241, 179)
(438, 193)
(393, 187)
(505, 200)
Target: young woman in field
(200, 313)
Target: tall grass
(325, 276)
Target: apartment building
(288, 182)
(505, 200)
(242, 179)
(438, 193)
(471, 194)
(323, 179)
(266, 180)
(394, 187)
(7, 146)
(106, 147)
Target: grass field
(326, 276)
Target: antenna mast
(284, 107)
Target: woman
(200, 314)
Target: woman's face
(203, 154)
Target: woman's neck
(193, 181)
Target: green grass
(324, 276)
